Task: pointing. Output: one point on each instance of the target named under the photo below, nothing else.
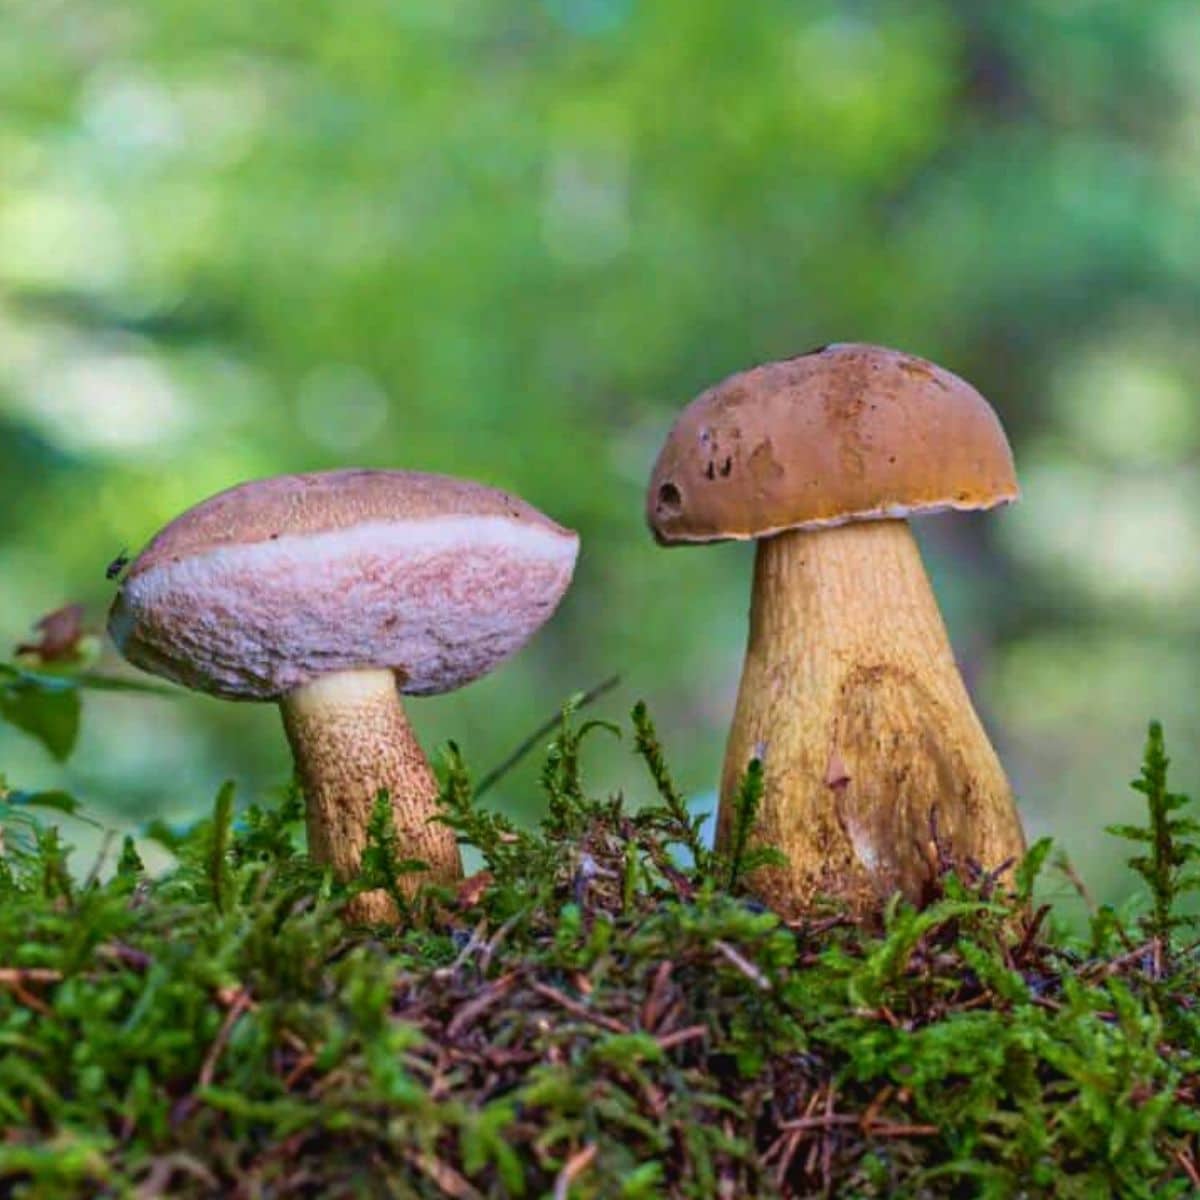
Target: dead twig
(454, 1185)
(498, 772)
(691, 1033)
(1113, 965)
(163, 1171)
(1188, 1164)
(743, 964)
(572, 1169)
(17, 976)
(831, 1120)
(473, 1009)
(237, 1005)
(493, 944)
(657, 998)
(827, 1146)
(580, 1010)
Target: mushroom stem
(350, 738)
(870, 741)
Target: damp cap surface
(280, 581)
(848, 432)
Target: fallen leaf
(61, 632)
(472, 890)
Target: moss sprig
(1168, 868)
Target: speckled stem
(350, 738)
(851, 688)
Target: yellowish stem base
(350, 738)
(871, 745)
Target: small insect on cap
(849, 432)
(280, 581)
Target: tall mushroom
(849, 689)
(328, 592)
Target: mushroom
(328, 592)
(876, 765)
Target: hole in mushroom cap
(669, 497)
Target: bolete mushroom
(849, 690)
(327, 592)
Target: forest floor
(604, 1011)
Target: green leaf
(1134, 833)
(130, 865)
(49, 714)
(1031, 866)
(109, 683)
(643, 1182)
(743, 860)
(60, 801)
(46, 681)
(172, 839)
(220, 875)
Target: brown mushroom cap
(849, 432)
(280, 581)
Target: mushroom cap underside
(847, 432)
(280, 581)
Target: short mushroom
(328, 593)
(849, 690)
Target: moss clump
(587, 1018)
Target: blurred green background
(509, 240)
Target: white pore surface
(889, 512)
(440, 600)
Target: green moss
(591, 1018)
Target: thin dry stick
(485, 959)
(102, 854)
(27, 998)
(891, 1129)
(1031, 932)
(579, 1010)
(473, 944)
(163, 1170)
(743, 964)
(572, 1169)
(658, 998)
(827, 1146)
(497, 773)
(16, 976)
(475, 1008)
(1185, 1160)
(15, 979)
(874, 1129)
(240, 1002)
(811, 1160)
(1101, 970)
(791, 1143)
(876, 1106)
(682, 1035)
(444, 1176)
(303, 1065)
(1064, 865)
